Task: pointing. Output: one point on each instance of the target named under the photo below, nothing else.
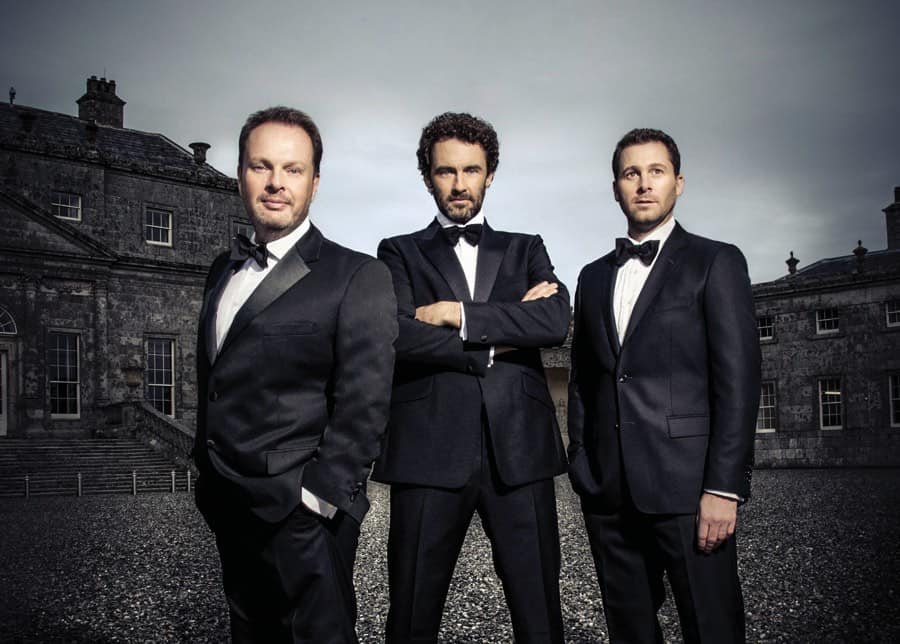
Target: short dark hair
(638, 136)
(285, 116)
(462, 126)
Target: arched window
(7, 324)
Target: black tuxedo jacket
(671, 411)
(299, 392)
(441, 384)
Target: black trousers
(427, 529)
(632, 550)
(291, 581)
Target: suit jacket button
(468, 368)
(214, 396)
(210, 443)
(624, 377)
(484, 338)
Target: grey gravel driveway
(820, 561)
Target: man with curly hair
(472, 426)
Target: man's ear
(489, 180)
(240, 183)
(428, 185)
(315, 189)
(679, 185)
(616, 194)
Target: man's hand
(440, 314)
(540, 290)
(716, 520)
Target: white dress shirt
(630, 280)
(632, 275)
(467, 254)
(236, 293)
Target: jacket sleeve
(734, 363)
(421, 343)
(360, 391)
(523, 325)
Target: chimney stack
(199, 149)
(892, 219)
(101, 104)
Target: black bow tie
(472, 233)
(626, 249)
(242, 249)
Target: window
(827, 321)
(160, 377)
(765, 324)
(893, 313)
(158, 226)
(830, 407)
(765, 420)
(65, 205)
(7, 324)
(242, 228)
(62, 372)
(894, 383)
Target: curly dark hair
(285, 116)
(638, 136)
(462, 126)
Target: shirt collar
(279, 247)
(660, 233)
(446, 222)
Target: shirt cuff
(317, 505)
(725, 495)
(463, 333)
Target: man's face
(277, 179)
(646, 187)
(458, 178)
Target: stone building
(830, 338)
(107, 236)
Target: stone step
(105, 465)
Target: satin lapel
(436, 249)
(491, 250)
(609, 311)
(290, 270)
(208, 312)
(668, 259)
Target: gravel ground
(819, 561)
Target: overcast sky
(787, 113)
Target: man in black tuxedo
(472, 426)
(662, 406)
(295, 359)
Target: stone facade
(108, 233)
(831, 360)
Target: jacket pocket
(282, 460)
(537, 389)
(413, 390)
(684, 426)
(297, 327)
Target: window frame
(148, 369)
(51, 334)
(148, 226)
(821, 319)
(760, 326)
(888, 310)
(823, 387)
(56, 204)
(773, 407)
